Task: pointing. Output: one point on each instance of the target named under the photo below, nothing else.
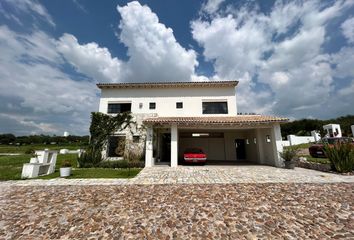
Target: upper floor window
(179, 104)
(215, 108)
(152, 105)
(119, 107)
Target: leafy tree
(305, 126)
(7, 138)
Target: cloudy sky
(293, 59)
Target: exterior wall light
(255, 140)
(268, 139)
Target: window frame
(118, 103)
(225, 109)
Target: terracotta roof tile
(169, 84)
(234, 120)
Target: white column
(259, 146)
(174, 146)
(277, 146)
(149, 161)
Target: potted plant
(289, 155)
(65, 169)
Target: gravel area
(179, 211)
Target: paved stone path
(204, 175)
(234, 174)
(178, 211)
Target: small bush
(341, 156)
(89, 159)
(29, 151)
(66, 163)
(121, 164)
(288, 154)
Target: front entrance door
(240, 149)
(166, 148)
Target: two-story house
(173, 116)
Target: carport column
(259, 143)
(149, 161)
(277, 146)
(174, 146)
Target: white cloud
(91, 59)
(348, 29)
(43, 98)
(154, 53)
(32, 7)
(278, 57)
(344, 61)
(211, 6)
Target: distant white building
(174, 116)
(333, 130)
(66, 134)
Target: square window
(152, 105)
(179, 104)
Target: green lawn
(24, 148)
(11, 168)
(317, 160)
(97, 173)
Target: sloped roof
(232, 120)
(206, 84)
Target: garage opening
(227, 147)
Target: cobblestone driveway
(204, 175)
(192, 211)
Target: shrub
(341, 156)
(288, 154)
(29, 151)
(89, 159)
(66, 163)
(121, 164)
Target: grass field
(24, 148)
(11, 168)
(317, 160)
(97, 173)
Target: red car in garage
(316, 150)
(194, 155)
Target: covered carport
(226, 140)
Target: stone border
(314, 166)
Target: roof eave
(168, 84)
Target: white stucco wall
(295, 140)
(166, 98)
